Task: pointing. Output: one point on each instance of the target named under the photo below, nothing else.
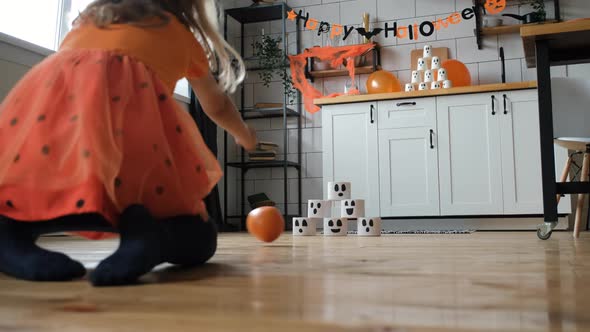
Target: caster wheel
(542, 235)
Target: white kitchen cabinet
(460, 155)
(470, 166)
(489, 159)
(408, 158)
(350, 150)
(521, 154)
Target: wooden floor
(478, 282)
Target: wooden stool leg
(564, 174)
(581, 197)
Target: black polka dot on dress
(159, 190)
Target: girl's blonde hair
(200, 16)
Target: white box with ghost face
(338, 191)
(319, 208)
(304, 226)
(369, 226)
(335, 226)
(352, 208)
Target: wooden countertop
(427, 93)
(577, 41)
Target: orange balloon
(266, 223)
(382, 81)
(457, 73)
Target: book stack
(264, 151)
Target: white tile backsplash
(579, 71)
(396, 57)
(433, 7)
(395, 9)
(351, 12)
(467, 51)
(512, 44)
(490, 72)
(513, 71)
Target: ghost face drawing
(428, 76)
(369, 226)
(423, 86)
(442, 74)
(421, 64)
(427, 51)
(435, 85)
(335, 226)
(338, 191)
(415, 77)
(435, 63)
(304, 226)
(352, 208)
(494, 7)
(318, 208)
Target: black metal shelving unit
(480, 31)
(257, 14)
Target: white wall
(483, 64)
(16, 58)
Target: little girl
(92, 141)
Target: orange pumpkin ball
(382, 81)
(457, 72)
(265, 223)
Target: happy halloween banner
(412, 31)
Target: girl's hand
(249, 141)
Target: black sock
(189, 241)
(140, 250)
(21, 258)
(145, 243)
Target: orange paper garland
(336, 56)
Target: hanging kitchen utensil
(533, 17)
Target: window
(47, 22)
(34, 21)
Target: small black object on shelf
(531, 18)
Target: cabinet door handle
(505, 109)
(493, 105)
(372, 107)
(431, 139)
(407, 103)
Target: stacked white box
(336, 224)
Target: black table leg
(547, 149)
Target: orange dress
(94, 128)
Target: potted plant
(271, 62)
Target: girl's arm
(222, 111)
